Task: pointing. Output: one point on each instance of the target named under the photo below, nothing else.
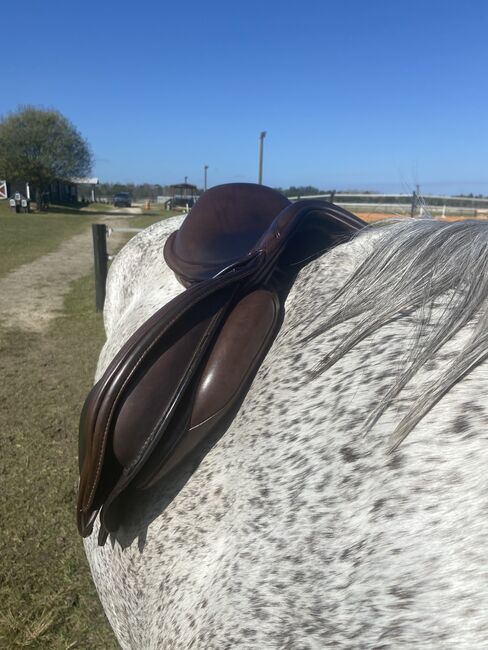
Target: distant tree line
(301, 190)
(152, 190)
(137, 191)
(470, 196)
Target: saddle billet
(182, 376)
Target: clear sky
(368, 94)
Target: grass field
(24, 237)
(47, 599)
(155, 213)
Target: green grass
(159, 209)
(148, 217)
(47, 597)
(24, 237)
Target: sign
(3, 189)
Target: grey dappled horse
(346, 506)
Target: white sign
(3, 189)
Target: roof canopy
(183, 186)
(85, 181)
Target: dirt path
(32, 295)
(122, 212)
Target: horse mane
(435, 270)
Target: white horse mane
(412, 268)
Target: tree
(40, 146)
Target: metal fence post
(99, 232)
(414, 204)
(262, 135)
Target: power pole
(205, 178)
(262, 135)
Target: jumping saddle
(181, 377)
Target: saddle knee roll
(238, 351)
(235, 358)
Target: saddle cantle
(181, 377)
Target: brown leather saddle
(182, 376)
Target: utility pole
(260, 172)
(205, 178)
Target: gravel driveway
(32, 295)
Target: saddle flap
(231, 364)
(161, 357)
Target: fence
(100, 232)
(414, 204)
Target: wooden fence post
(99, 232)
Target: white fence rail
(413, 204)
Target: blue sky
(353, 94)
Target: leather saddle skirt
(181, 377)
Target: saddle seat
(223, 227)
(180, 379)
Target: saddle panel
(180, 379)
